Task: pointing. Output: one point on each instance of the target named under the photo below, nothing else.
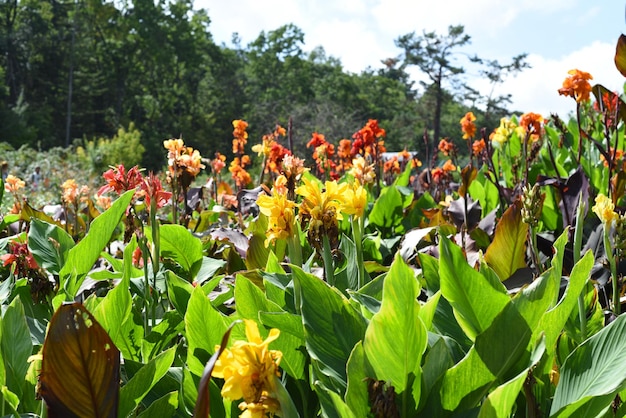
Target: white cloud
(535, 90)
(361, 33)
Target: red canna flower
(153, 190)
(120, 181)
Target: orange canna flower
(531, 122)
(446, 147)
(467, 125)
(240, 136)
(478, 147)
(437, 174)
(70, 191)
(577, 85)
(12, 184)
(448, 166)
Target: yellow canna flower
(280, 213)
(321, 210)
(249, 369)
(355, 200)
(605, 209)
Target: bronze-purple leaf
(620, 55)
(80, 372)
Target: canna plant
(469, 288)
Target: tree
(434, 55)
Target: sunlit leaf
(178, 244)
(331, 325)
(475, 299)
(143, 381)
(507, 252)
(203, 403)
(204, 328)
(80, 371)
(49, 245)
(396, 356)
(16, 346)
(593, 373)
(81, 258)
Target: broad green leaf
(143, 381)
(164, 407)
(359, 370)
(170, 327)
(557, 257)
(396, 337)
(208, 269)
(81, 258)
(500, 402)
(620, 55)
(430, 271)
(387, 210)
(179, 291)
(179, 244)
(80, 371)
(10, 400)
(49, 245)
(114, 313)
(428, 310)
(553, 321)
(595, 369)
(331, 325)
(497, 350)
(507, 252)
(16, 346)
(347, 277)
(204, 395)
(204, 328)
(476, 300)
(341, 407)
(251, 302)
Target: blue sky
(558, 35)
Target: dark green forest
(74, 71)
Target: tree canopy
(71, 72)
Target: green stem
(534, 250)
(146, 297)
(156, 253)
(329, 271)
(614, 279)
(578, 243)
(357, 234)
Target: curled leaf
(80, 371)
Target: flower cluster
(184, 163)
(368, 141)
(467, 125)
(240, 136)
(323, 152)
(237, 169)
(502, 133)
(447, 148)
(280, 212)
(577, 85)
(320, 210)
(250, 369)
(605, 209)
(531, 122)
(363, 172)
